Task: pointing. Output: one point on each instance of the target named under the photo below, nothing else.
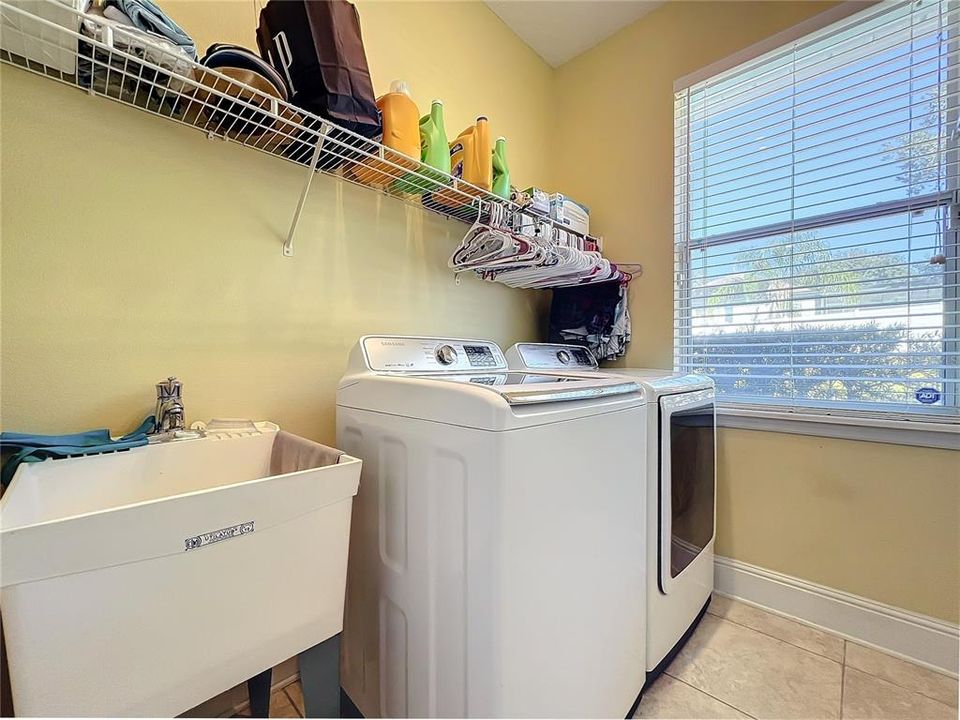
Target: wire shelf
(105, 58)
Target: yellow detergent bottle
(401, 120)
(401, 138)
(501, 173)
(470, 157)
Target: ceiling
(559, 30)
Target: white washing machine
(496, 558)
(680, 472)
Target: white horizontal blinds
(815, 218)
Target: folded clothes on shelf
(117, 15)
(116, 75)
(148, 16)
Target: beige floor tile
(757, 674)
(905, 674)
(790, 631)
(295, 691)
(281, 706)
(866, 697)
(669, 698)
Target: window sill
(895, 432)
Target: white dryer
(680, 477)
(496, 559)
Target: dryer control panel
(546, 356)
(424, 355)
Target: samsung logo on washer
(198, 541)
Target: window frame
(859, 423)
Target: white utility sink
(146, 581)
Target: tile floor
(743, 662)
(285, 702)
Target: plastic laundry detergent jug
(434, 150)
(501, 173)
(470, 157)
(401, 120)
(401, 135)
(434, 153)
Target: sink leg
(258, 687)
(320, 678)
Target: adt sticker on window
(928, 396)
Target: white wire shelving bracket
(315, 158)
(90, 52)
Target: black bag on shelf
(317, 48)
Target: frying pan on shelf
(260, 112)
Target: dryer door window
(687, 481)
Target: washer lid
(524, 388)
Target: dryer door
(687, 494)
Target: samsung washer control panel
(544, 356)
(424, 355)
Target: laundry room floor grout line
(722, 702)
(843, 677)
(776, 637)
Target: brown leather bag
(317, 47)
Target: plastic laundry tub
(147, 581)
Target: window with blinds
(816, 219)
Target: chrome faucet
(169, 416)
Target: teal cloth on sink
(28, 447)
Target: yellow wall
(875, 520)
(880, 521)
(134, 248)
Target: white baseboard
(918, 638)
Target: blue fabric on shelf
(28, 447)
(146, 15)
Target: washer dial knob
(446, 355)
(563, 356)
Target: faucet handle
(169, 389)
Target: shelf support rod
(288, 244)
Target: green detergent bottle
(434, 153)
(501, 173)
(434, 149)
